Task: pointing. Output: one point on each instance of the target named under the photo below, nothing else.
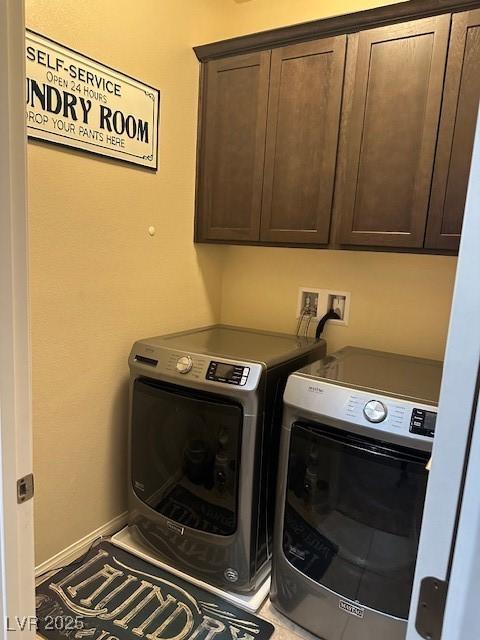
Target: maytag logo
(175, 527)
(314, 389)
(350, 608)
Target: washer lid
(391, 374)
(237, 343)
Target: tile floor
(285, 629)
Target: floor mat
(113, 595)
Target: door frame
(450, 534)
(17, 590)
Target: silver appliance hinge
(431, 608)
(25, 488)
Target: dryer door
(186, 455)
(352, 515)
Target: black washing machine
(204, 435)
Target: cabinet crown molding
(332, 26)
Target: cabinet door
(391, 125)
(457, 131)
(233, 148)
(306, 83)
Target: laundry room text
(77, 102)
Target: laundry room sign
(77, 102)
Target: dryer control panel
(398, 420)
(423, 422)
(388, 413)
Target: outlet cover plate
(320, 302)
(344, 296)
(316, 301)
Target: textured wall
(98, 280)
(238, 17)
(399, 302)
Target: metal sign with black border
(75, 101)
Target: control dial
(375, 411)
(184, 364)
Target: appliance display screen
(423, 422)
(224, 370)
(430, 419)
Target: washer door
(353, 514)
(186, 455)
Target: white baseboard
(79, 547)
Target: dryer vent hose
(330, 315)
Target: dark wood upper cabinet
(456, 135)
(232, 148)
(354, 131)
(391, 121)
(306, 82)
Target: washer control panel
(184, 364)
(228, 373)
(375, 411)
(196, 369)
